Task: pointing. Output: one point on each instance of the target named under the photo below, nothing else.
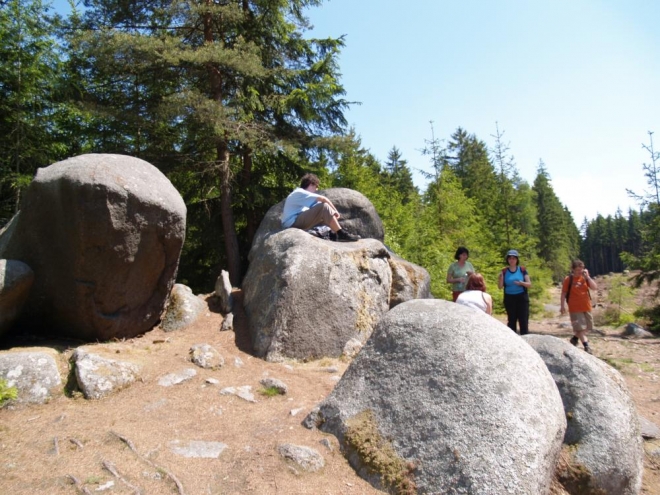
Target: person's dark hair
(476, 282)
(309, 179)
(460, 251)
(576, 263)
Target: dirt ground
(123, 444)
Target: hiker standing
(575, 292)
(515, 281)
(459, 271)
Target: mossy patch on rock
(574, 477)
(363, 440)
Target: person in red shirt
(575, 292)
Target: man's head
(309, 180)
(577, 264)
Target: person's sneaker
(333, 236)
(587, 348)
(343, 236)
(574, 340)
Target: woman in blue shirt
(515, 281)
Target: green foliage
(620, 293)
(6, 392)
(614, 316)
(651, 318)
(234, 104)
(619, 364)
(231, 94)
(557, 235)
(31, 107)
(270, 391)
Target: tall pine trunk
(222, 157)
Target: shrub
(7, 392)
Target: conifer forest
(234, 102)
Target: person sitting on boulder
(304, 209)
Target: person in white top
(475, 295)
(304, 208)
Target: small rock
(176, 378)
(326, 443)
(331, 369)
(648, 429)
(198, 449)
(105, 486)
(205, 356)
(34, 374)
(184, 308)
(244, 392)
(294, 412)
(634, 330)
(227, 323)
(212, 381)
(155, 405)
(238, 362)
(223, 290)
(98, 377)
(306, 458)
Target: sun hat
(512, 252)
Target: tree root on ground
(171, 476)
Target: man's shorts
(582, 321)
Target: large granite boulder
(103, 235)
(409, 281)
(305, 297)
(16, 279)
(446, 399)
(603, 433)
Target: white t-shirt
(298, 201)
(473, 299)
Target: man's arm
(590, 281)
(562, 300)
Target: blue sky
(571, 82)
(574, 83)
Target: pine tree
(29, 66)
(223, 80)
(399, 175)
(557, 242)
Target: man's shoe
(343, 236)
(574, 340)
(587, 349)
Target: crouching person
(304, 209)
